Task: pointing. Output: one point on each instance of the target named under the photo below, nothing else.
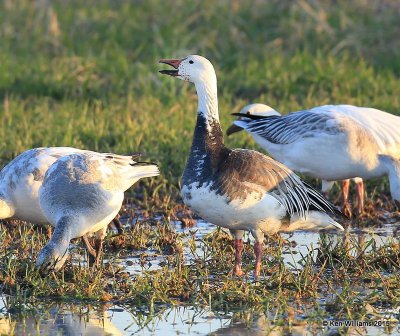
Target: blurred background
(85, 73)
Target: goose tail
(143, 169)
(313, 221)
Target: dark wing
(291, 127)
(245, 171)
(135, 156)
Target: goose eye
(191, 62)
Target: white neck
(208, 98)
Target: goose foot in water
(347, 210)
(96, 252)
(360, 197)
(346, 206)
(101, 234)
(238, 257)
(258, 252)
(89, 247)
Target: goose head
(258, 110)
(52, 257)
(193, 68)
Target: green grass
(349, 283)
(85, 74)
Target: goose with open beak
(241, 189)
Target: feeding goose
(241, 189)
(330, 142)
(21, 179)
(81, 193)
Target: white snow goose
(81, 193)
(331, 142)
(263, 110)
(241, 189)
(21, 179)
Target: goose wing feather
(110, 171)
(245, 171)
(294, 126)
(383, 126)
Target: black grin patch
(172, 73)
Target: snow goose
(81, 193)
(241, 189)
(21, 179)
(331, 142)
(263, 110)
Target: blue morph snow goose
(330, 142)
(241, 189)
(81, 193)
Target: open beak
(233, 129)
(172, 62)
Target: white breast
(252, 213)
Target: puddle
(151, 259)
(299, 245)
(85, 319)
(78, 319)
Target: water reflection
(55, 319)
(78, 319)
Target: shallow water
(79, 319)
(299, 244)
(83, 319)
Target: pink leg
(346, 208)
(100, 235)
(345, 191)
(89, 246)
(238, 257)
(258, 252)
(360, 197)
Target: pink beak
(172, 62)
